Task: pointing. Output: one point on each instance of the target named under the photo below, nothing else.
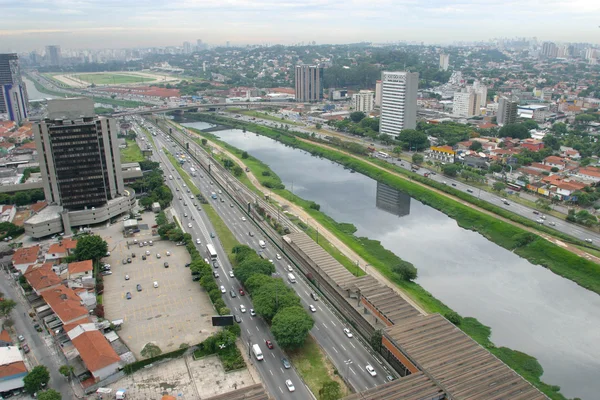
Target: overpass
(245, 104)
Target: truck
(257, 352)
(156, 207)
(262, 244)
(291, 278)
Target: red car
(25, 348)
(242, 292)
(269, 344)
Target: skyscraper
(482, 90)
(466, 103)
(187, 47)
(507, 111)
(363, 101)
(549, 50)
(79, 155)
(53, 55)
(398, 101)
(13, 93)
(309, 80)
(378, 93)
(444, 61)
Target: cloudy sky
(31, 24)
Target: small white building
(12, 369)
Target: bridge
(245, 104)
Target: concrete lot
(176, 312)
(184, 378)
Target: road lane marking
(352, 370)
(333, 323)
(280, 389)
(325, 326)
(351, 344)
(317, 327)
(271, 373)
(334, 349)
(343, 347)
(248, 330)
(320, 308)
(256, 328)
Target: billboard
(222, 320)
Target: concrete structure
(444, 61)
(13, 92)
(12, 369)
(81, 168)
(53, 55)
(398, 101)
(363, 101)
(378, 93)
(466, 103)
(309, 83)
(507, 111)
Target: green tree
(237, 171)
(330, 390)
(204, 141)
(413, 140)
(450, 169)
(245, 155)
(357, 116)
(251, 266)
(417, 158)
(499, 186)
(272, 297)
(405, 270)
(318, 126)
(476, 146)
(6, 306)
(453, 317)
(516, 131)
(543, 204)
(90, 247)
(36, 379)
(49, 394)
(291, 326)
(559, 127)
(151, 350)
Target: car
(371, 370)
(150, 243)
(269, 344)
(192, 196)
(252, 312)
(21, 338)
(198, 208)
(250, 233)
(289, 268)
(231, 275)
(25, 348)
(107, 266)
(143, 257)
(128, 295)
(271, 261)
(198, 241)
(216, 264)
(168, 253)
(187, 265)
(444, 182)
(277, 256)
(223, 289)
(290, 385)
(157, 255)
(454, 184)
(389, 378)
(124, 261)
(215, 274)
(231, 205)
(244, 219)
(147, 252)
(177, 189)
(536, 212)
(166, 264)
(314, 296)
(286, 363)
(588, 240)
(184, 204)
(237, 319)
(552, 224)
(212, 235)
(232, 293)
(347, 332)
(184, 185)
(312, 308)
(126, 277)
(104, 273)
(242, 308)
(196, 278)
(190, 225)
(242, 293)
(141, 244)
(129, 261)
(132, 255)
(138, 287)
(470, 190)
(185, 215)
(155, 284)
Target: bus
(211, 251)
(383, 155)
(514, 187)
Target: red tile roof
(95, 351)
(56, 248)
(67, 327)
(69, 244)
(555, 160)
(65, 303)
(80, 266)
(541, 166)
(5, 337)
(572, 186)
(26, 255)
(38, 206)
(29, 145)
(15, 368)
(590, 171)
(42, 277)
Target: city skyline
(111, 24)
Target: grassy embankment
(383, 259)
(262, 115)
(131, 153)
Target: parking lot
(175, 312)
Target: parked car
(129, 261)
(157, 255)
(25, 348)
(143, 257)
(155, 284)
(126, 277)
(128, 295)
(168, 253)
(166, 264)
(21, 338)
(105, 273)
(138, 287)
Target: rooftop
(65, 303)
(415, 386)
(15, 368)
(80, 266)
(42, 276)
(26, 255)
(10, 355)
(95, 351)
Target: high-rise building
(507, 111)
(200, 45)
(482, 90)
(363, 101)
(378, 93)
(309, 81)
(13, 92)
(53, 55)
(466, 103)
(398, 101)
(187, 47)
(549, 50)
(444, 61)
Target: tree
(413, 140)
(291, 326)
(543, 204)
(559, 127)
(318, 126)
(151, 350)
(37, 378)
(90, 247)
(66, 370)
(6, 306)
(330, 390)
(417, 158)
(450, 169)
(517, 131)
(405, 270)
(357, 116)
(476, 146)
(251, 266)
(244, 155)
(272, 297)
(453, 317)
(237, 171)
(499, 186)
(49, 394)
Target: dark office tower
(309, 83)
(507, 111)
(53, 55)
(79, 155)
(13, 93)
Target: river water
(528, 307)
(35, 94)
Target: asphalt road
(43, 350)
(328, 327)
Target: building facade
(444, 61)
(378, 93)
(398, 101)
(53, 57)
(13, 92)
(363, 101)
(309, 83)
(466, 104)
(507, 111)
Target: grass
(262, 115)
(111, 78)
(131, 153)
(314, 368)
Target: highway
(349, 355)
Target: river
(35, 94)
(528, 307)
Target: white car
(157, 255)
(198, 241)
(231, 275)
(312, 308)
(155, 284)
(126, 277)
(252, 312)
(147, 252)
(242, 308)
(168, 253)
(290, 385)
(271, 261)
(190, 225)
(289, 268)
(223, 289)
(371, 370)
(244, 219)
(347, 332)
(277, 256)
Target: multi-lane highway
(349, 355)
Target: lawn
(131, 153)
(111, 78)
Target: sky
(76, 24)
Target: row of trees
(22, 198)
(152, 184)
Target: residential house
(24, 257)
(56, 252)
(532, 144)
(444, 154)
(80, 269)
(567, 188)
(5, 339)
(569, 152)
(70, 245)
(66, 304)
(7, 213)
(555, 162)
(95, 352)
(589, 174)
(464, 146)
(541, 167)
(42, 277)
(12, 369)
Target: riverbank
(524, 364)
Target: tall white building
(398, 101)
(482, 90)
(444, 61)
(187, 47)
(363, 101)
(378, 93)
(466, 104)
